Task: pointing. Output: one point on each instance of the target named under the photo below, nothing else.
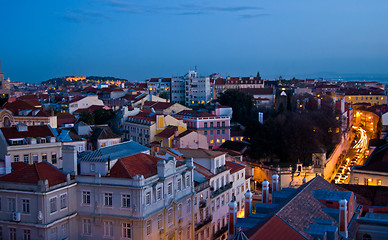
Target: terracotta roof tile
(234, 167)
(32, 174)
(142, 164)
(168, 132)
(33, 131)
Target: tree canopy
(241, 103)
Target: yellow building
(166, 136)
(373, 97)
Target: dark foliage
(241, 104)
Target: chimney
(264, 196)
(275, 182)
(69, 159)
(343, 221)
(7, 163)
(248, 203)
(232, 218)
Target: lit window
(232, 139)
(379, 182)
(218, 140)
(211, 141)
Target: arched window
(7, 122)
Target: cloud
(79, 16)
(254, 15)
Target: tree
(102, 116)
(241, 104)
(87, 118)
(164, 95)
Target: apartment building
(197, 89)
(226, 180)
(215, 128)
(143, 126)
(140, 197)
(30, 144)
(35, 203)
(221, 85)
(83, 102)
(156, 86)
(177, 90)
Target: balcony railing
(203, 223)
(220, 232)
(221, 169)
(221, 190)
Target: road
(355, 156)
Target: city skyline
(137, 41)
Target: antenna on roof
(195, 68)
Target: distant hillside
(63, 80)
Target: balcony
(221, 190)
(199, 225)
(202, 203)
(221, 169)
(220, 232)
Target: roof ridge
(35, 165)
(290, 225)
(126, 170)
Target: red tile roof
(158, 105)
(18, 165)
(234, 167)
(140, 163)
(193, 113)
(204, 171)
(275, 228)
(168, 132)
(32, 131)
(32, 174)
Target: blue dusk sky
(137, 40)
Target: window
(213, 209)
(108, 229)
(187, 180)
(108, 199)
(218, 132)
(205, 133)
(86, 197)
(125, 200)
(35, 158)
(223, 200)
(92, 167)
(16, 158)
(378, 182)
(205, 125)
(223, 131)
(218, 124)
(169, 189)
(126, 230)
(160, 221)
(12, 234)
(63, 201)
(179, 210)
(26, 158)
(179, 184)
(25, 205)
(211, 125)
(53, 158)
(26, 234)
(53, 233)
(223, 124)
(218, 203)
(64, 231)
(170, 216)
(149, 227)
(44, 157)
(188, 206)
(211, 132)
(53, 204)
(86, 226)
(148, 198)
(356, 180)
(159, 193)
(11, 204)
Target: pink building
(215, 128)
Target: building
(227, 180)
(178, 90)
(140, 197)
(5, 90)
(215, 128)
(221, 85)
(143, 126)
(197, 89)
(375, 170)
(371, 96)
(261, 96)
(83, 102)
(38, 203)
(30, 144)
(156, 86)
(29, 112)
(165, 108)
(315, 210)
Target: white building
(197, 89)
(84, 102)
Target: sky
(138, 40)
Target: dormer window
(43, 140)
